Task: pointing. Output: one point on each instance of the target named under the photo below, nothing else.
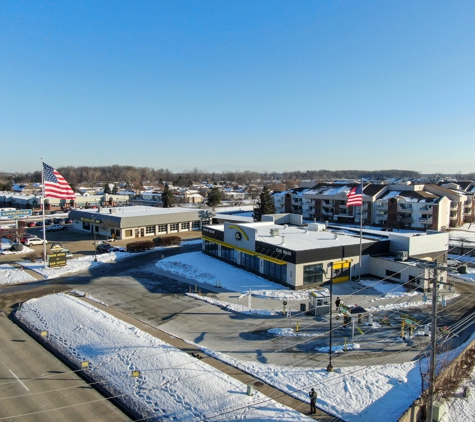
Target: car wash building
(300, 257)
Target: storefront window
(312, 273)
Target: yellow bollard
(297, 327)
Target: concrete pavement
(35, 386)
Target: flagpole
(361, 229)
(44, 211)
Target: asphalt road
(35, 386)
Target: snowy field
(171, 386)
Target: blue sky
(238, 85)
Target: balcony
(404, 218)
(381, 206)
(426, 220)
(404, 208)
(427, 210)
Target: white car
(34, 241)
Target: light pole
(330, 366)
(325, 273)
(94, 233)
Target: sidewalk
(233, 372)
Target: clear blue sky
(236, 85)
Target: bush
(167, 241)
(16, 247)
(140, 246)
(33, 256)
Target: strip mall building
(280, 249)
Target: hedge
(167, 241)
(140, 246)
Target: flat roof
(134, 211)
(299, 238)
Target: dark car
(105, 248)
(68, 221)
(52, 212)
(39, 224)
(58, 221)
(26, 236)
(48, 222)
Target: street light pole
(94, 233)
(330, 366)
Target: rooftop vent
(274, 232)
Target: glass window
(211, 248)
(128, 233)
(174, 227)
(196, 225)
(162, 228)
(250, 261)
(312, 273)
(275, 271)
(150, 229)
(185, 226)
(228, 254)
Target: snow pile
(286, 294)
(12, 275)
(204, 269)
(171, 385)
(231, 306)
(289, 332)
(338, 348)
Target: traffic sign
(15, 214)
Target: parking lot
(80, 244)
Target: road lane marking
(19, 380)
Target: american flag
(355, 196)
(56, 185)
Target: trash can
(303, 307)
(250, 390)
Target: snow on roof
(298, 238)
(133, 211)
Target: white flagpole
(361, 229)
(44, 212)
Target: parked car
(68, 221)
(26, 236)
(56, 227)
(48, 222)
(104, 248)
(34, 241)
(67, 251)
(52, 213)
(31, 224)
(453, 263)
(58, 221)
(39, 224)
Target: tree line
(137, 177)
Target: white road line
(19, 380)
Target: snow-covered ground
(174, 384)
(12, 275)
(171, 385)
(204, 269)
(76, 265)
